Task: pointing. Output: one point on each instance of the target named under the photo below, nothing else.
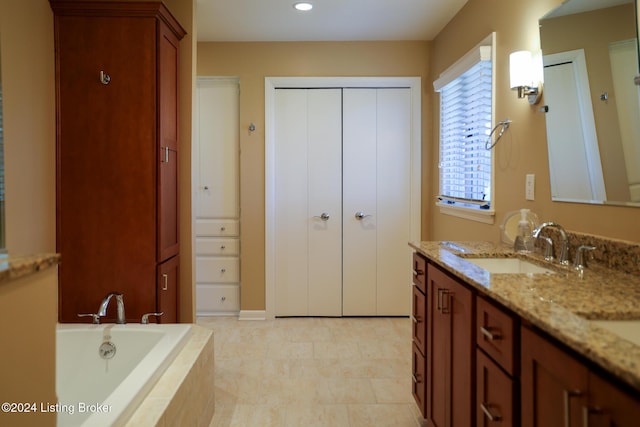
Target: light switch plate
(530, 187)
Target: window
(466, 116)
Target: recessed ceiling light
(303, 6)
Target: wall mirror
(2, 240)
(592, 104)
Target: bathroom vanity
(495, 346)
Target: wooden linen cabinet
(117, 156)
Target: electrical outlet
(530, 187)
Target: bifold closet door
(308, 202)
(376, 201)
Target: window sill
(486, 216)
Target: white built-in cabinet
(342, 205)
(216, 196)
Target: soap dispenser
(524, 241)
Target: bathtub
(103, 385)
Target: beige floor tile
(334, 415)
(381, 415)
(313, 372)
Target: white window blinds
(465, 124)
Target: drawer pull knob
(223, 270)
(487, 412)
(223, 228)
(493, 336)
(223, 299)
(223, 247)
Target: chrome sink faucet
(564, 250)
(102, 311)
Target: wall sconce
(522, 72)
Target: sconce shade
(520, 68)
(521, 76)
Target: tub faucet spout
(102, 311)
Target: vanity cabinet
(419, 324)
(117, 156)
(485, 366)
(450, 350)
(496, 369)
(560, 390)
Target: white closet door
(359, 188)
(376, 187)
(308, 195)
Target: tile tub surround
(561, 304)
(310, 372)
(14, 267)
(184, 395)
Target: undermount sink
(626, 329)
(509, 266)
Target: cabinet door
(495, 394)
(418, 379)
(554, 384)
(610, 405)
(167, 290)
(451, 354)
(419, 319)
(168, 203)
(106, 178)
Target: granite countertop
(15, 267)
(561, 304)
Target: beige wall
(523, 150)
(252, 62)
(28, 307)
(28, 314)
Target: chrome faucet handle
(145, 317)
(581, 261)
(96, 317)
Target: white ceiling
(330, 20)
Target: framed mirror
(592, 103)
(2, 239)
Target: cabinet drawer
(217, 299)
(495, 334)
(217, 270)
(495, 393)
(419, 383)
(217, 227)
(217, 246)
(419, 318)
(420, 272)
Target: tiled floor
(320, 372)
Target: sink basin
(508, 266)
(626, 329)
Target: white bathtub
(93, 391)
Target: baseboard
(252, 315)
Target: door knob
(324, 216)
(360, 215)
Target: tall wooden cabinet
(117, 156)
